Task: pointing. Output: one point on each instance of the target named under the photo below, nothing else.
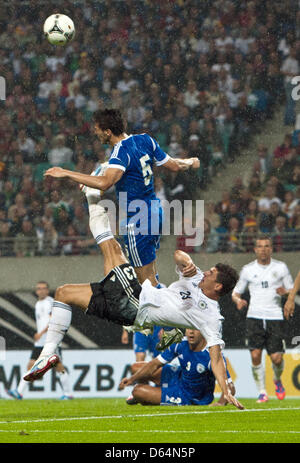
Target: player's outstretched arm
(219, 370)
(185, 263)
(101, 182)
(175, 165)
(144, 374)
(289, 306)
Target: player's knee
(139, 393)
(256, 357)
(62, 293)
(276, 358)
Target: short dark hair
(43, 283)
(227, 276)
(264, 238)
(110, 119)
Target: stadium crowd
(201, 77)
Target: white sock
(258, 373)
(99, 221)
(64, 378)
(59, 323)
(22, 386)
(278, 369)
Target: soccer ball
(59, 29)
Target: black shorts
(116, 297)
(36, 352)
(268, 334)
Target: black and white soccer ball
(59, 29)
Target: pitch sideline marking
(150, 431)
(82, 418)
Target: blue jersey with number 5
(136, 155)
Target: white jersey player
(267, 280)
(43, 309)
(183, 304)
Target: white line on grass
(151, 415)
(150, 431)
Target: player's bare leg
(155, 378)
(147, 395)
(278, 367)
(147, 272)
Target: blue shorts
(172, 391)
(141, 248)
(143, 343)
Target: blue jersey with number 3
(196, 378)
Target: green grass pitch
(113, 421)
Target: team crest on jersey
(200, 368)
(202, 305)
(274, 274)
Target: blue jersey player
(130, 169)
(190, 383)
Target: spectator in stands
(270, 196)
(211, 215)
(60, 155)
(295, 177)
(280, 235)
(6, 242)
(263, 164)
(249, 235)
(25, 242)
(289, 69)
(283, 150)
(233, 243)
(290, 162)
(289, 204)
(191, 95)
(279, 188)
(295, 218)
(255, 186)
(81, 220)
(222, 206)
(210, 239)
(68, 243)
(268, 218)
(252, 214)
(236, 189)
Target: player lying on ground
(289, 306)
(191, 302)
(190, 383)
